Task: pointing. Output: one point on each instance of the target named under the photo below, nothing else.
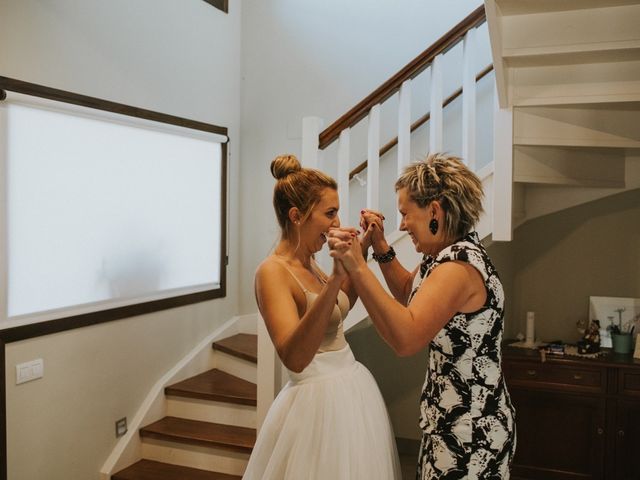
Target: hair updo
(296, 187)
(446, 179)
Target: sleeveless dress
(329, 422)
(466, 415)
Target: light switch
(28, 371)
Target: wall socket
(25, 372)
(121, 427)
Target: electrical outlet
(25, 372)
(121, 427)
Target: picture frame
(622, 311)
(636, 353)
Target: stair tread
(201, 433)
(216, 385)
(242, 345)
(151, 470)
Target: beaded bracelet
(385, 257)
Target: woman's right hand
(345, 248)
(372, 224)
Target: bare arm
(398, 279)
(450, 288)
(295, 339)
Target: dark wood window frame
(219, 4)
(23, 332)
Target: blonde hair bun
(284, 165)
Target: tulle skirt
(328, 423)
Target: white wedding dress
(329, 422)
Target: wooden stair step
(242, 345)
(195, 432)
(216, 385)
(151, 470)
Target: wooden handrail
(418, 123)
(411, 70)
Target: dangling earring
(433, 226)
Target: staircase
(210, 427)
(570, 71)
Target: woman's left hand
(345, 246)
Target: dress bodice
(334, 336)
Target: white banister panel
(503, 173)
(436, 118)
(404, 126)
(343, 175)
(469, 100)
(267, 373)
(311, 128)
(373, 156)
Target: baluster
(404, 126)
(404, 129)
(343, 175)
(435, 121)
(268, 372)
(373, 159)
(311, 128)
(469, 101)
(502, 171)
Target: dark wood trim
(41, 91)
(219, 4)
(3, 413)
(33, 330)
(418, 123)
(224, 260)
(411, 70)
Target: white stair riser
(236, 366)
(194, 456)
(614, 126)
(211, 411)
(571, 167)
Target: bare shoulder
(272, 275)
(458, 273)
(270, 272)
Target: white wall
(180, 58)
(561, 259)
(316, 58)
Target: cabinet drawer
(554, 376)
(630, 382)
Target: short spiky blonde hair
(446, 179)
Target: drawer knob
(531, 373)
(577, 376)
(600, 430)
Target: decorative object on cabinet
(622, 343)
(636, 354)
(616, 315)
(590, 342)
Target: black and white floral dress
(466, 415)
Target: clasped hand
(347, 248)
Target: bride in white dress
(329, 422)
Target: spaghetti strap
(281, 262)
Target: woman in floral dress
(453, 301)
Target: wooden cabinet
(575, 418)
